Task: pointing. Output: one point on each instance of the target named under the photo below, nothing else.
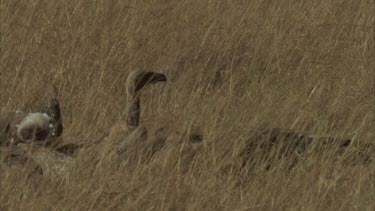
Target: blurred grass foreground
(231, 66)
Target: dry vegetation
(231, 65)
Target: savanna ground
(231, 66)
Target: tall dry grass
(231, 65)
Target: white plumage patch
(35, 126)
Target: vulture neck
(134, 110)
(134, 84)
